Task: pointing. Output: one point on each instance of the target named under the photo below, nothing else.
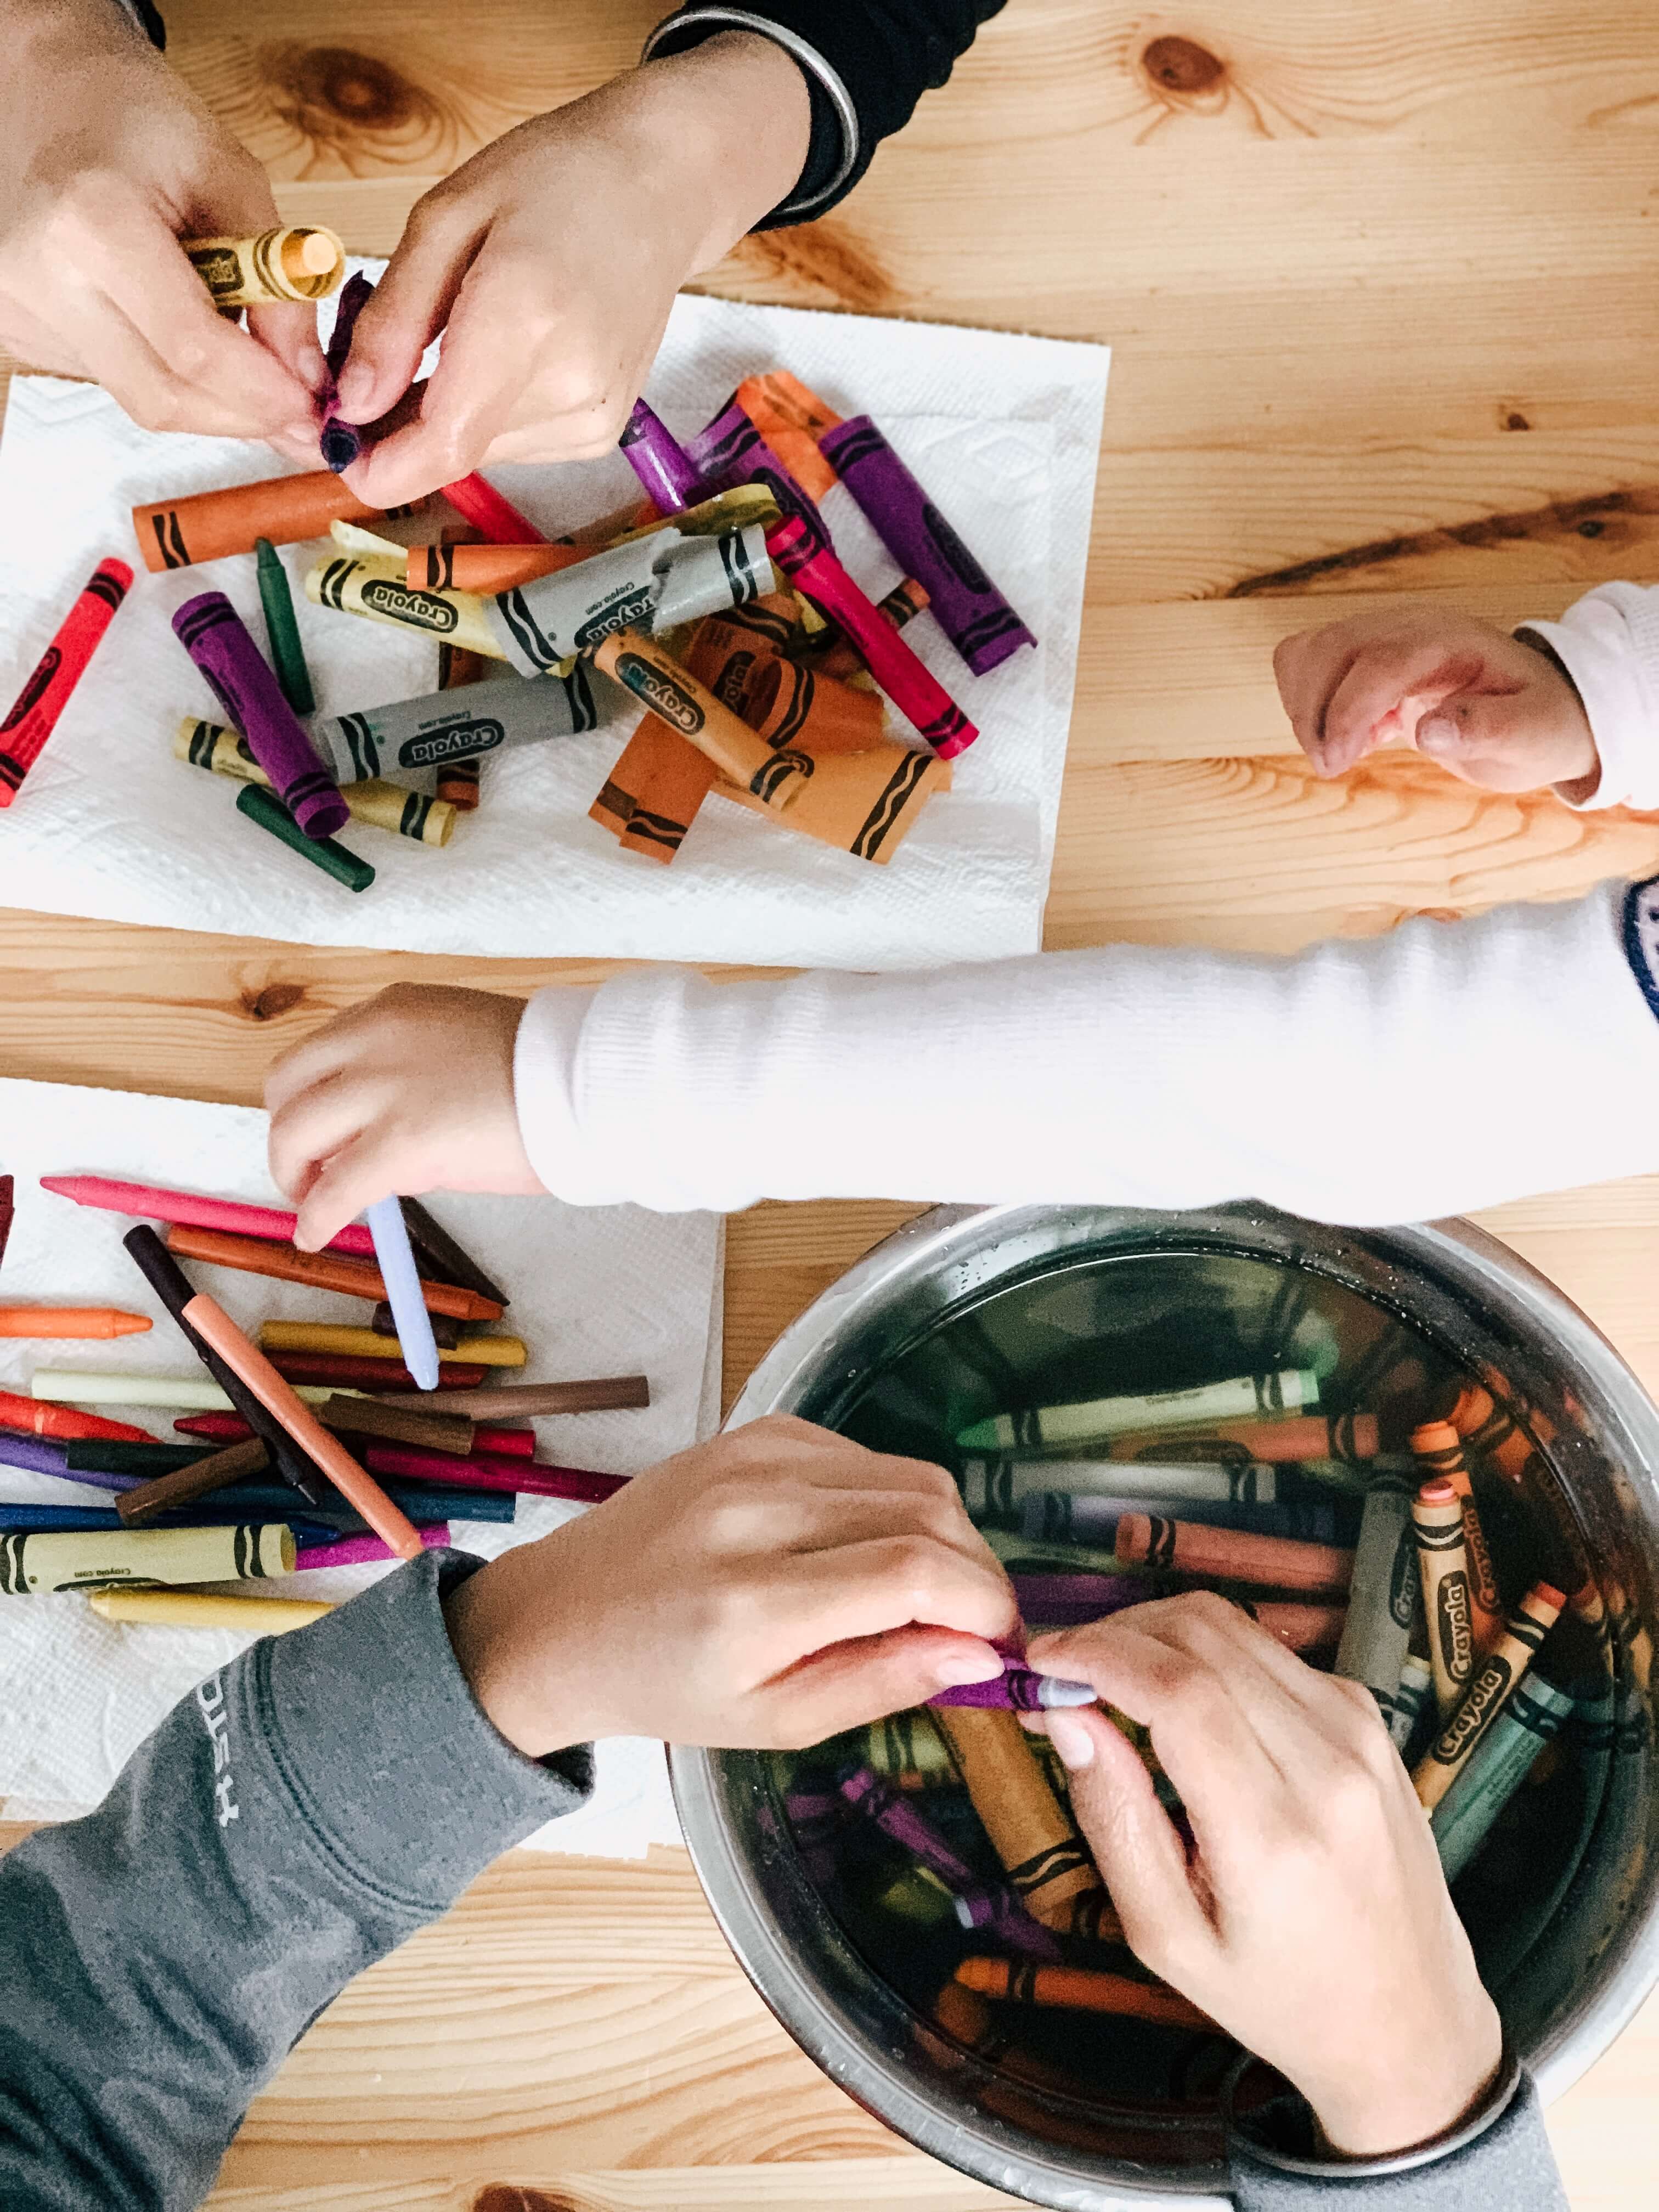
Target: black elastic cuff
(1281, 2132)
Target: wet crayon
(1384, 1597)
(336, 1371)
(35, 710)
(641, 666)
(208, 525)
(205, 1472)
(34, 1562)
(263, 808)
(1492, 1686)
(1001, 1485)
(1063, 1516)
(193, 1210)
(482, 1471)
(667, 476)
(1080, 1989)
(360, 1551)
(289, 263)
(211, 632)
(644, 585)
(1412, 1702)
(966, 605)
(908, 1743)
(445, 1260)
(100, 1323)
(879, 1801)
(385, 805)
(282, 630)
(1443, 1563)
(1053, 1596)
(1098, 1420)
(1229, 1555)
(1462, 1819)
(1046, 1860)
(39, 1417)
(249, 1616)
(1438, 1449)
(377, 1343)
(322, 1271)
(409, 737)
(1350, 1437)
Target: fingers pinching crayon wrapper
(211, 632)
(286, 264)
(967, 606)
(35, 712)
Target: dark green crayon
(287, 654)
(95, 1455)
(263, 807)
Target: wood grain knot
(338, 99)
(275, 1000)
(501, 2197)
(1181, 66)
(820, 264)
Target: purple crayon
(1019, 1690)
(964, 602)
(665, 469)
(731, 451)
(342, 441)
(212, 634)
(815, 1819)
(879, 1801)
(1000, 1914)
(35, 1456)
(1063, 1601)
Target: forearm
(305, 1812)
(1437, 1068)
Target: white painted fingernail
(1073, 1743)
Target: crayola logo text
(455, 741)
(660, 693)
(384, 595)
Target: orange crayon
(1350, 1437)
(323, 1271)
(100, 1322)
(641, 665)
(1490, 1691)
(487, 568)
(1443, 1562)
(1438, 1448)
(792, 418)
(1232, 1554)
(176, 533)
(1080, 1989)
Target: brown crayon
(1046, 1860)
(1443, 1562)
(184, 1484)
(289, 263)
(526, 1401)
(425, 1427)
(446, 1332)
(1490, 1691)
(1439, 1449)
(323, 1271)
(176, 533)
(789, 705)
(1080, 1989)
(1232, 1554)
(342, 1372)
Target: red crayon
(191, 1210)
(39, 1417)
(477, 500)
(484, 1471)
(230, 1429)
(34, 716)
(346, 1372)
(1232, 1554)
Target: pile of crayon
(1411, 1544)
(719, 601)
(321, 1445)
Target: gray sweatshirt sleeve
(298, 1816)
(1500, 2160)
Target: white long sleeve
(1445, 1067)
(1608, 643)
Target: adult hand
(551, 261)
(1312, 1921)
(768, 1589)
(410, 1091)
(1489, 709)
(106, 160)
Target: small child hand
(410, 1093)
(1312, 1920)
(1489, 709)
(768, 1589)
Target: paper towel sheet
(1005, 432)
(595, 1290)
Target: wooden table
(1379, 277)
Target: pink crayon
(193, 1211)
(489, 1471)
(359, 1551)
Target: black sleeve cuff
(148, 19)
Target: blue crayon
(403, 1290)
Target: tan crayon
(1046, 1860)
(1488, 1694)
(527, 1401)
(176, 533)
(323, 1271)
(1443, 1562)
(1231, 1554)
(1438, 1449)
(386, 805)
(864, 804)
(369, 1343)
(37, 1563)
(249, 1616)
(375, 587)
(1349, 1437)
(285, 263)
(639, 664)
(1080, 1989)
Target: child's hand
(1491, 710)
(767, 1589)
(551, 261)
(107, 160)
(410, 1091)
(1312, 1921)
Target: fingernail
(1437, 733)
(1073, 1745)
(312, 367)
(356, 382)
(960, 1666)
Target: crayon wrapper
(376, 587)
(865, 803)
(253, 272)
(35, 1563)
(775, 779)
(34, 712)
(648, 583)
(791, 419)
(405, 741)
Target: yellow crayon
(387, 805)
(1493, 1687)
(364, 1344)
(377, 586)
(285, 263)
(253, 1616)
(58, 1560)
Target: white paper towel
(595, 1290)
(1003, 430)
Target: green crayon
(1463, 1817)
(387, 805)
(287, 654)
(264, 807)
